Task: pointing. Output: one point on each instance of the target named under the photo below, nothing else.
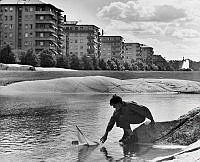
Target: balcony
(45, 30)
(91, 37)
(54, 35)
(45, 21)
(51, 38)
(44, 13)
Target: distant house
(111, 47)
(146, 53)
(131, 51)
(81, 39)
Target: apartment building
(146, 53)
(82, 39)
(111, 47)
(131, 51)
(32, 24)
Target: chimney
(65, 18)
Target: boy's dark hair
(115, 99)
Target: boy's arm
(110, 125)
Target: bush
(29, 58)
(7, 56)
(47, 58)
(62, 61)
(75, 62)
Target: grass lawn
(7, 77)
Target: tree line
(46, 58)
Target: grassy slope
(7, 77)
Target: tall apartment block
(111, 47)
(82, 39)
(31, 24)
(131, 51)
(146, 53)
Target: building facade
(30, 24)
(81, 39)
(146, 54)
(131, 51)
(111, 47)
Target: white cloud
(186, 33)
(135, 11)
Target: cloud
(137, 12)
(134, 27)
(186, 33)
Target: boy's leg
(125, 135)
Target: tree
(140, 65)
(95, 61)
(87, 63)
(29, 58)
(7, 56)
(103, 65)
(120, 67)
(62, 61)
(74, 62)
(134, 66)
(47, 58)
(112, 65)
(127, 66)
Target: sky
(171, 27)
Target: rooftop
(21, 2)
(26, 2)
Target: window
(76, 41)
(31, 9)
(26, 26)
(5, 36)
(41, 17)
(41, 35)
(26, 35)
(6, 9)
(11, 26)
(81, 47)
(26, 17)
(10, 35)
(11, 9)
(11, 18)
(6, 18)
(41, 43)
(31, 34)
(81, 40)
(26, 43)
(30, 16)
(31, 26)
(76, 47)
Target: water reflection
(24, 131)
(84, 152)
